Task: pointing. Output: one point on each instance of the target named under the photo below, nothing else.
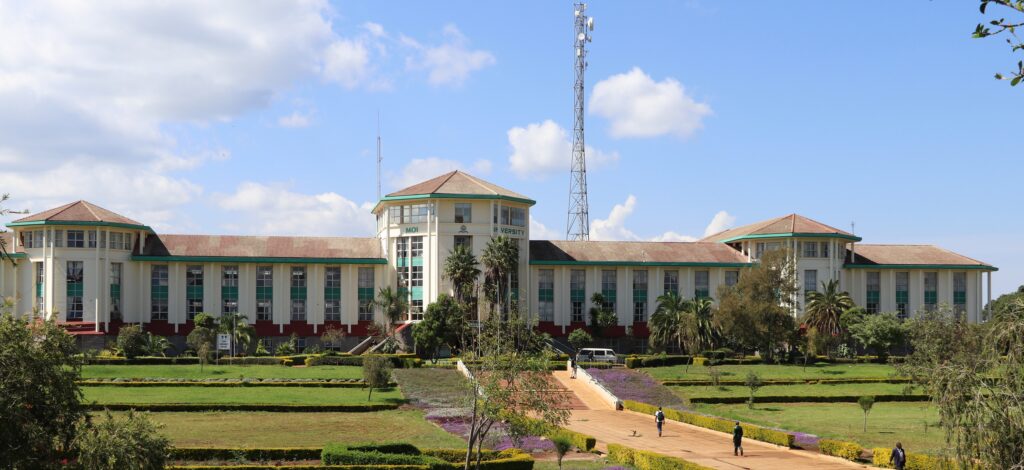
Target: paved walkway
(698, 445)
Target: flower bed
(635, 386)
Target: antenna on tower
(578, 226)
(380, 158)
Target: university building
(95, 270)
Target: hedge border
(646, 460)
(806, 399)
(234, 383)
(225, 453)
(706, 383)
(880, 458)
(842, 449)
(180, 407)
(297, 467)
(750, 431)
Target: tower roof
(81, 213)
(457, 183)
(792, 225)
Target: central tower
(578, 225)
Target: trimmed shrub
(880, 458)
(807, 399)
(221, 453)
(399, 361)
(732, 361)
(457, 455)
(433, 459)
(354, 383)
(842, 449)
(299, 467)
(684, 382)
(240, 407)
(387, 448)
(635, 362)
(644, 460)
(750, 431)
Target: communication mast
(578, 226)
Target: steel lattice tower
(578, 226)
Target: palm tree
(705, 331)
(157, 345)
(393, 304)
(670, 321)
(237, 325)
(500, 259)
(824, 308)
(461, 269)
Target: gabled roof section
(455, 184)
(792, 225)
(80, 213)
(911, 256)
(559, 252)
(232, 248)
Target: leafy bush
(661, 360)
(131, 442)
(242, 407)
(843, 449)
(387, 448)
(433, 459)
(579, 338)
(131, 341)
(807, 399)
(750, 431)
(376, 373)
(880, 458)
(645, 460)
(398, 361)
(340, 455)
(222, 453)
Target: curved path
(698, 445)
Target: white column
(106, 281)
(989, 275)
(96, 282)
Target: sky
(261, 117)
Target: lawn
(774, 371)
(913, 424)
(824, 390)
(221, 372)
(253, 394)
(264, 429)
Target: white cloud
(347, 63)
(376, 29)
(720, 222)
(614, 227)
(275, 210)
(449, 63)
(419, 170)
(543, 148)
(539, 231)
(295, 119)
(637, 106)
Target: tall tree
(500, 258)
(1007, 28)
(756, 313)
(237, 325)
(824, 311)
(602, 315)
(672, 322)
(461, 268)
(394, 306)
(705, 330)
(444, 324)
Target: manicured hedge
(402, 361)
(232, 383)
(579, 440)
(645, 460)
(299, 467)
(433, 459)
(739, 361)
(221, 453)
(843, 449)
(182, 360)
(335, 454)
(704, 383)
(806, 399)
(750, 431)
(880, 458)
(636, 362)
(156, 407)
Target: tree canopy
(756, 312)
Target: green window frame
(332, 293)
(365, 293)
(159, 278)
(609, 288)
(702, 284)
(229, 289)
(193, 291)
(577, 294)
(116, 274)
(546, 294)
(297, 293)
(931, 290)
(960, 292)
(264, 293)
(639, 296)
(873, 291)
(671, 282)
(40, 272)
(75, 291)
(902, 294)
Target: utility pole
(578, 225)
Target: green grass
(254, 394)
(222, 372)
(264, 429)
(773, 371)
(791, 390)
(887, 423)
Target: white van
(600, 355)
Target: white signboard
(223, 342)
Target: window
(902, 294)
(365, 294)
(931, 290)
(75, 291)
(761, 248)
(264, 293)
(193, 290)
(609, 288)
(116, 273)
(416, 245)
(395, 214)
(298, 293)
(464, 240)
(158, 292)
(672, 282)
(731, 278)
(401, 249)
(229, 289)
(116, 241)
(518, 217)
(960, 293)
(505, 216)
(810, 249)
(92, 238)
(416, 309)
(58, 238)
(463, 213)
(639, 296)
(40, 288)
(416, 276)
(415, 214)
(332, 293)
(546, 294)
(810, 281)
(33, 239)
(76, 239)
(874, 291)
(701, 285)
(577, 294)
(823, 249)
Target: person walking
(574, 365)
(737, 439)
(898, 458)
(659, 419)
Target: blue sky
(260, 117)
